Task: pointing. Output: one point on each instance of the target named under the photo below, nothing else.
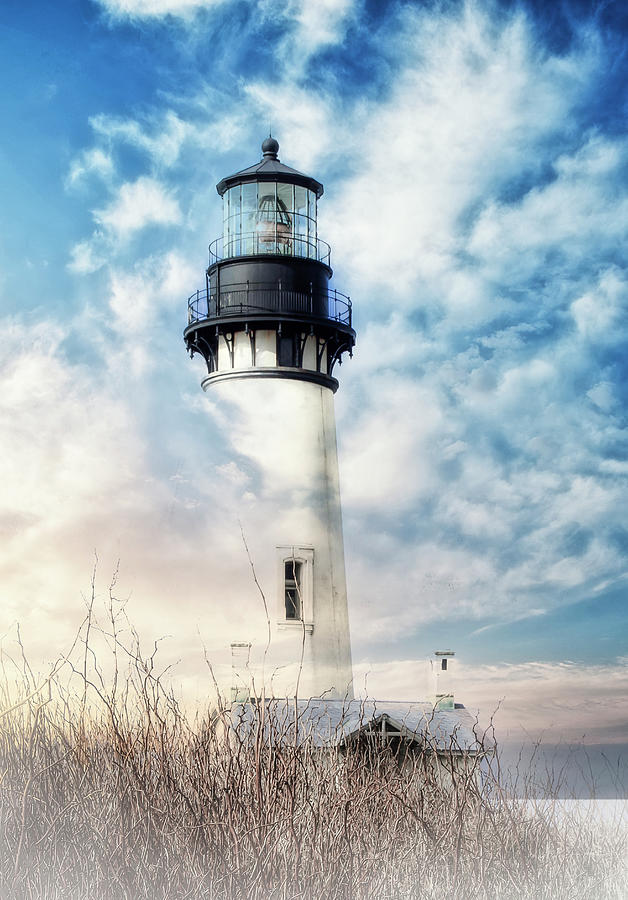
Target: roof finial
(270, 148)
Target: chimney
(442, 678)
(240, 674)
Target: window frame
(304, 555)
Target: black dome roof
(270, 169)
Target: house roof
(336, 723)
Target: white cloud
(295, 114)
(139, 204)
(90, 162)
(321, 23)
(119, 10)
(87, 256)
(161, 138)
(600, 313)
(394, 438)
(62, 463)
(309, 27)
(134, 206)
(137, 297)
(38, 387)
(524, 381)
(459, 124)
(83, 473)
(395, 589)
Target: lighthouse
(272, 333)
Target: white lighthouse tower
(271, 331)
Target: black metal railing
(273, 243)
(261, 298)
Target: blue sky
(474, 157)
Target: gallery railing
(262, 297)
(273, 242)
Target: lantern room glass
(269, 217)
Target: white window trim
(305, 555)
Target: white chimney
(240, 673)
(442, 678)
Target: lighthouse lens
(273, 220)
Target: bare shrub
(109, 790)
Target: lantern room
(269, 217)
(270, 208)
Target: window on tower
(295, 587)
(292, 589)
(287, 350)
